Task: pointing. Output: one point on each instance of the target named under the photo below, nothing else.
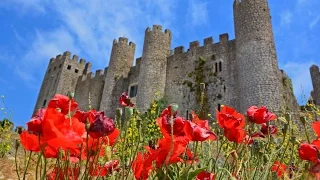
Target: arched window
(220, 66)
(44, 103)
(216, 67)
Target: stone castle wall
(61, 77)
(153, 67)
(89, 90)
(258, 80)
(239, 73)
(315, 77)
(121, 61)
(219, 74)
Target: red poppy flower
(316, 127)
(101, 126)
(35, 124)
(64, 173)
(197, 133)
(190, 157)
(125, 100)
(104, 170)
(235, 135)
(57, 125)
(141, 166)
(279, 168)
(198, 121)
(205, 175)
(230, 118)
(308, 152)
(30, 142)
(165, 148)
(83, 116)
(165, 125)
(64, 103)
(272, 129)
(53, 146)
(169, 112)
(260, 115)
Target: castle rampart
(121, 61)
(61, 66)
(239, 72)
(152, 78)
(256, 55)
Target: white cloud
(197, 12)
(45, 46)
(286, 18)
(88, 29)
(301, 79)
(24, 6)
(314, 22)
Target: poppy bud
(174, 108)
(87, 125)
(285, 128)
(17, 144)
(108, 153)
(293, 139)
(70, 95)
(128, 113)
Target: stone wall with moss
(212, 64)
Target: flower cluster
(310, 151)
(161, 144)
(56, 133)
(177, 134)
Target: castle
(315, 77)
(239, 72)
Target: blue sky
(33, 31)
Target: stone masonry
(239, 72)
(315, 77)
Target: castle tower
(121, 61)
(257, 64)
(152, 78)
(315, 77)
(61, 77)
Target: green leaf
(186, 175)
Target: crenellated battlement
(314, 68)
(99, 73)
(92, 76)
(194, 45)
(240, 62)
(208, 41)
(157, 28)
(67, 56)
(223, 38)
(124, 41)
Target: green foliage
(150, 128)
(5, 136)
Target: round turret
(315, 77)
(152, 78)
(259, 82)
(121, 60)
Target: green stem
(15, 160)
(27, 165)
